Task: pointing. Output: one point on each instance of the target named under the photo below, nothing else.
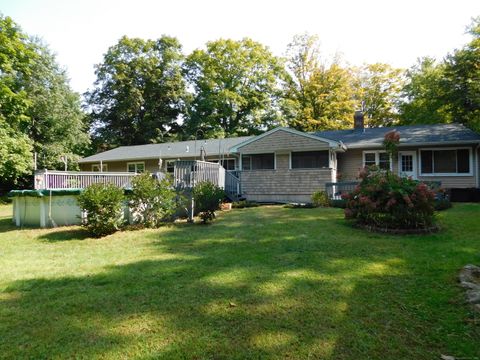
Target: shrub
(152, 202)
(320, 198)
(103, 206)
(338, 203)
(207, 198)
(442, 204)
(385, 200)
(244, 204)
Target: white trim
(414, 162)
(377, 157)
(470, 162)
(136, 163)
(413, 144)
(331, 143)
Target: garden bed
(418, 231)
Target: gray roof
(409, 135)
(367, 138)
(173, 150)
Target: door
(407, 164)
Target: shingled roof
(409, 135)
(172, 150)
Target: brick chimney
(358, 120)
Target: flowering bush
(391, 141)
(385, 200)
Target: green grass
(259, 283)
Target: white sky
(396, 32)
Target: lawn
(259, 283)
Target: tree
(139, 92)
(462, 80)
(16, 56)
(423, 97)
(235, 88)
(448, 91)
(379, 88)
(56, 124)
(38, 110)
(318, 96)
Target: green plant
(338, 203)
(244, 204)
(442, 204)
(102, 204)
(320, 198)
(386, 200)
(207, 197)
(152, 202)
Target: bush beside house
(103, 208)
(384, 200)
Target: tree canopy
(38, 110)
(139, 92)
(235, 88)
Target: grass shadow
(65, 235)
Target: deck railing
(335, 190)
(54, 180)
(188, 173)
(232, 185)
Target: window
(445, 161)
(228, 164)
(309, 159)
(258, 162)
(379, 158)
(96, 167)
(170, 165)
(137, 167)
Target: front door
(407, 164)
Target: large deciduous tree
(379, 89)
(139, 92)
(235, 88)
(319, 95)
(448, 91)
(423, 96)
(38, 110)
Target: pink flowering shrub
(383, 199)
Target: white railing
(188, 173)
(232, 185)
(51, 179)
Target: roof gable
(282, 138)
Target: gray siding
(283, 184)
(282, 140)
(351, 162)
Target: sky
(362, 31)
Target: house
(286, 165)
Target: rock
(470, 279)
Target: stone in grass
(470, 279)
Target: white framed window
(446, 162)
(258, 162)
(96, 167)
(136, 167)
(379, 158)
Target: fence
(336, 189)
(54, 180)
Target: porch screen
(455, 161)
(258, 162)
(310, 159)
